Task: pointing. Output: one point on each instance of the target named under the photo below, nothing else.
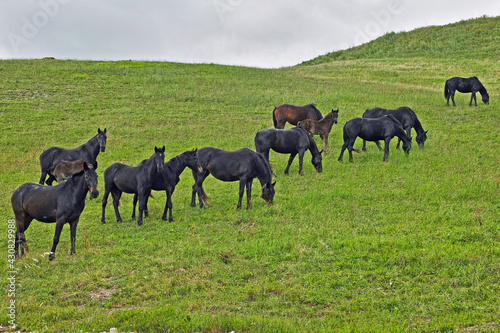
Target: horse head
(159, 158)
(268, 192)
(90, 179)
(421, 139)
(486, 98)
(407, 146)
(101, 139)
(193, 162)
(317, 161)
(335, 115)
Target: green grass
(462, 40)
(406, 245)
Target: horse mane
(318, 113)
(391, 117)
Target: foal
(321, 127)
(119, 178)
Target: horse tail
(318, 114)
(274, 118)
(446, 90)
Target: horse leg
(42, 177)
(325, 141)
(72, 226)
(386, 148)
(378, 145)
(473, 96)
(350, 146)
(134, 203)
(452, 94)
(344, 146)
(22, 223)
(59, 226)
(143, 203)
(116, 194)
(168, 206)
(364, 145)
(50, 180)
(241, 191)
(249, 193)
(301, 160)
(104, 203)
(198, 188)
(290, 160)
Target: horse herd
(75, 169)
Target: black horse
(229, 166)
(373, 129)
(55, 155)
(463, 85)
(61, 204)
(167, 180)
(119, 178)
(290, 141)
(406, 117)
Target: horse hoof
(52, 256)
(139, 223)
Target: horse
(373, 129)
(290, 141)
(406, 117)
(169, 177)
(465, 85)
(242, 165)
(55, 155)
(65, 169)
(321, 127)
(119, 178)
(61, 204)
(294, 114)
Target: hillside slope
(465, 39)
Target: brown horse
(321, 127)
(65, 169)
(293, 114)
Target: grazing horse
(61, 204)
(290, 141)
(242, 165)
(55, 155)
(119, 178)
(167, 179)
(464, 85)
(406, 117)
(65, 169)
(321, 127)
(373, 129)
(293, 114)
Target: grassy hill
(462, 40)
(410, 244)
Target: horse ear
(163, 149)
(274, 184)
(426, 131)
(321, 152)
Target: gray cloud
(237, 32)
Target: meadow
(410, 244)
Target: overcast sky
(271, 33)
